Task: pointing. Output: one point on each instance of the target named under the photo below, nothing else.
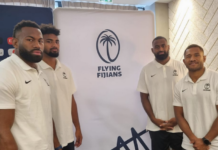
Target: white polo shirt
(199, 102)
(62, 89)
(158, 81)
(27, 91)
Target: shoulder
(7, 67)
(180, 83)
(149, 66)
(213, 74)
(6, 63)
(177, 63)
(65, 67)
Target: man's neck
(51, 61)
(163, 62)
(31, 64)
(195, 75)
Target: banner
(11, 15)
(106, 51)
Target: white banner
(106, 51)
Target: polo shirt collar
(159, 65)
(20, 62)
(58, 65)
(203, 77)
(44, 65)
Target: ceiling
(130, 2)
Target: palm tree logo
(108, 39)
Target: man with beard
(156, 85)
(196, 102)
(25, 106)
(64, 108)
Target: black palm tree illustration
(108, 39)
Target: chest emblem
(64, 75)
(206, 87)
(175, 73)
(46, 82)
(153, 75)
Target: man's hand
(158, 122)
(79, 138)
(198, 144)
(168, 125)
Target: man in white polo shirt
(156, 85)
(196, 102)
(25, 106)
(64, 108)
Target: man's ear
(15, 43)
(205, 58)
(152, 50)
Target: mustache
(161, 52)
(36, 49)
(54, 48)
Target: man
(156, 85)
(64, 108)
(25, 106)
(196, 102)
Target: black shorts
(70, 146)
(162, 140)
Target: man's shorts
(70, 146)
(162, 140)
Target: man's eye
(29, 40)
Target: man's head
(50, 36)
(194, 57)
(28, 41)
(160, 48)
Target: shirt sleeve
(142, 84)
(7, 90)
(177, 98)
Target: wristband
(58, 148)
(206, 141)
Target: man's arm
(183, 124)
(76, 123)
(7, 141)
(198, 143)
(147, 107)
(213, 130)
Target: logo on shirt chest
(64, 75)
(46, 82)
(175, 73)
(27, 81)
(206, 87)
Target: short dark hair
(157, 38)
(49, 29)
(24, 23)
(193, 45)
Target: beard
(51, 54)
(201, 66)
(162, 56)
(28, 56)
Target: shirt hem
(140, 90)
(65, 144)
(7, 107)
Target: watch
(58, 148)
(206, 141)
